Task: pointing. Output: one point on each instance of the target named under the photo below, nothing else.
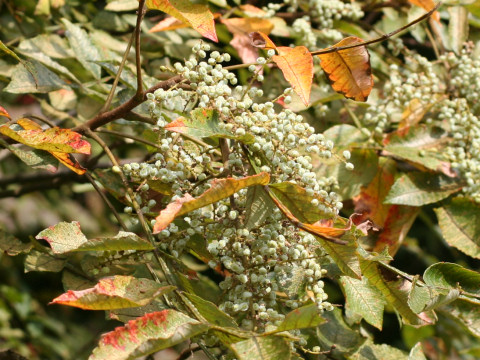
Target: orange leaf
(427, 5)
(196, 15)
(349, 70)
(261, 40)
(220, 189)
(251, 10)
(169, 23)
(240, 28)
(297, 67)
(4, 112)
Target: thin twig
(105, 199)
(133, 137)
(138, 61)
(379, 39)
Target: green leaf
(63, 237)
(122, 5)
(423, 298)
(417, 353)
(146, 335)
(419, 145)
(459, 221)
(127, 314)
(85, 51)
(420, 188)
(452, 276)
(351, 181)
(205, 123)
(6, 50)
(304, 317)
(122, 241)
(211, 312)
(196, 15)
(370, 351)
(466, 313)
(33, 49)
(345, 135)
(112, 183)
(457, 28)
(12, 246)
(117, 292)
(395, 291)
(38, 79)
(336, 332)
(40, 261)
(258, 207)
(37, 159)
(265, 348)
(344, 256)
(364, 299)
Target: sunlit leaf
(4, 112)
(122, 241)
(370, 351)
(51, 139)
(205, 123)
(220, 189)
(420, 188)
(395, 291)
(453, 276)
(304, 317)
(122, 5)
(427, 5)
(116, 292)
(349, 70)
(423, 298)
(34, 78)
(63, 237)
(466, 313)
(169, 23)
(198, 16)
(459, 221)
(297, 68)
(265, 348)
(364, 299)
(457, 27)
(146, 335)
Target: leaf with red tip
(196, 15)
(220, 189)
(146, 335)
(65, 158)
(297, 67)
(52, 139)
(4, 112)
(117, 292)
(349, 70)
(63, 237)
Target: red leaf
(4, 112)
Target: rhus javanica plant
(287, 180)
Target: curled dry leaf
(262, 41)
(240, 28)
(196, 15)
(220, 189)
(349, 70)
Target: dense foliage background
(321, 226)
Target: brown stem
(138, 61)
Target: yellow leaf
(297, 67)
(220, 189)
(349, 70)
(196, 15)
